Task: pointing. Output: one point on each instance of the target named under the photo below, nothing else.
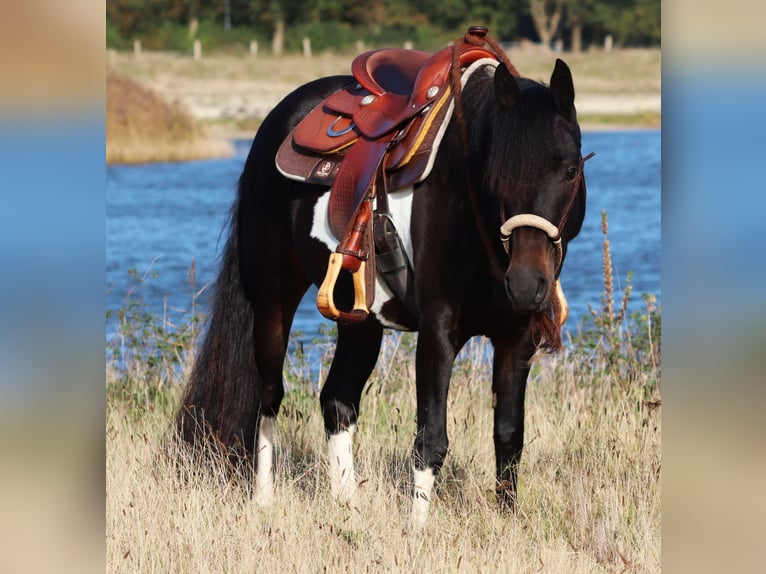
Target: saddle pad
(302, 165)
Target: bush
(113, 38)
(148, 355)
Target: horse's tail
(222, 398)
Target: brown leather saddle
(377, 133)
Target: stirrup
(325, 296)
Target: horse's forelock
(513, 144)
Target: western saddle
(375, 134)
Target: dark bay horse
(514, 159)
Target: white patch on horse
(340, 456)
(421, 496)
(400, 207)
(264, 478)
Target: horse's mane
(509, 148)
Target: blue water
(161, 217)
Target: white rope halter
(530, 220)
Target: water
(160, 217)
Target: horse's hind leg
(275, 283)
(270, 340)
(355, 356)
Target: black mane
(515, 142)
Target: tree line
(342, 24)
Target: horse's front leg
(509, 383)
(355, 355)
(435, 355)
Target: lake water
(161, 217)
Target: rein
(476, 36)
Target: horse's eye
(572, 172)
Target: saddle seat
(389, 70)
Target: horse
(511, 156)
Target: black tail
(222, 398)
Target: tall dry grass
(589, 479)
(141, 126)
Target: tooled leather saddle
(378, 133)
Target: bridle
(477, 36)
(552, 231)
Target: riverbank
(231, 94)
(141, 126)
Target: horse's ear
(562, 89)
(506, 87)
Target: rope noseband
(530, 220)
(538, 222)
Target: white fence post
(197, 50)
(254, 48)
(608, 42)
(408, 45)
(307, 47)
(136, 48)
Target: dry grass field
(232, 93)
(589, 486)
(589, 489)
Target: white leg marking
(341, 463)
(421, 496)
(264, 478)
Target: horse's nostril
(527, 291)
(542, 289)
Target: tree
(278, 38)
(546, 14)
(579, 13)
(631, 22)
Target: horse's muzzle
(528, 291)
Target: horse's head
(536, 173)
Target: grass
(589, 479)
(640, 120)
(141, 126)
